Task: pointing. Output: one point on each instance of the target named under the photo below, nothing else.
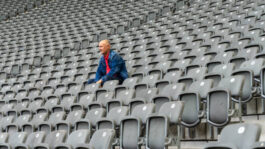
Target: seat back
(102, 139)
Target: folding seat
(122, 97)
(16, 86)
(133, 125)
(251, 71)
(199, 62)
(28, 85)
(36, 103)
(5, 87)
(169, 92)
(22, 93)
(15, 70)
(228, 89)
(169, 115)
(40, 83)
(72, 117)
(93, 116)
(142, 70)
(46, 92)
(106, 136)
(74, 88)
(14, 139)
(67, 100)
(110, 85)
(194, 98)
(91, 88)
(33, 93)
(128, 83)
(70, 71)
(193, 75)
(102, 97)
(237, 136)
(53, 82)
(181, 64)
(60, 90)
(220, 71)
(51, 139)
(40, 117)
(161, 68)
(55, 117)
(9, 95)
(113, 118)
(25, 117)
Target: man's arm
(99, 73)
(116, 68)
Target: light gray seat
(94, 115)
(113, 118)
(251, 71)
(123, 97)
(169, 93)
(69, 122)
(237, 136)
(51, 139)
(78, 138)
(32, 140)
(157, 126)
(54, 118)
(227, 88)
(14, 139)
(106, 137)
(193, 109)
(131, 126)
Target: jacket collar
(111, 54)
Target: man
(111, 65)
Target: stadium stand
(196, 70)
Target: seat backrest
(255, 65)
(143, 111)
(78, 137)
(224, 69)
(234, 84)
(128, 94)
(95, 114)
(173, 90)
(17, 138)
(242, 135)
(35, 138)
(202, 87)
(117, 113)
(197, 73)
(56, 117)
(173, 110)
(54, 137)
(74, 116)
(4, 137)
(102, 139)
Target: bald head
(104, 47)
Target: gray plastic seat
(91, 88)
(54, 118)
(94, 115)
(169, 114)
(193, 109)
(32, 140)
(132, 126)
(78, 138)
(113, 118)
(222, 95)
(14, 139)
(51, 139)
(237, 136)
(251, 71)
(169, 93)
(123, 97)
(105, 135)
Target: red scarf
(106, 57)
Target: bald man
(111, 65)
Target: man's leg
(90, 81)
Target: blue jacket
(117, 66)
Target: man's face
(104, 48)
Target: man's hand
(99, 82)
